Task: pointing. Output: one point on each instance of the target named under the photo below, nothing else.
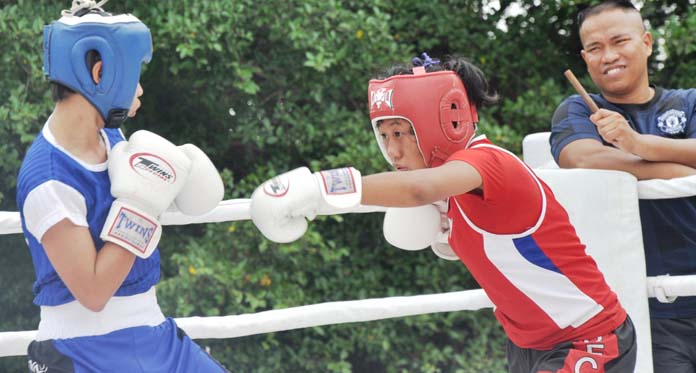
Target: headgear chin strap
(122, 41)
(436, 105)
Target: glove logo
(277, 186)
(338, 181)
(152, 167)
(133, 229)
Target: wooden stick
(581, 91)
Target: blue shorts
(163, 348)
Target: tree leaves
(294, 73)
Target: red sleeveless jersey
(518, 243)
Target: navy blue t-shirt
(669, 225)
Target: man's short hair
(604, 6)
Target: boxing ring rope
(15, 343)
(222, 327)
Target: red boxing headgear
(436, 105)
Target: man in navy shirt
(649, 132)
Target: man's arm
(614, 129)
(590, 153)
(663, 149)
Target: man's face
(401, 144)
(616, 48)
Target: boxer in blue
(90, 203)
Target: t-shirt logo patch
(672, 122)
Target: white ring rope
(16, 343)
(667, 188)
(238, 209)
(662, 287)
(221, 327)
(10, 223)
(227, 210)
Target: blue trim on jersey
(669, 232)
(44, 162)
(533, 253)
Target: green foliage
(23, 109)
(264, 87)
(26, 102)
(680, 48)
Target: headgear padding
(122, 41)
(436, 105)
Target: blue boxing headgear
(122, 41)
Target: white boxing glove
(416, 228)
(147, 172)
(440, 245)
(280, 206)
(411, 228)
(203, 190)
